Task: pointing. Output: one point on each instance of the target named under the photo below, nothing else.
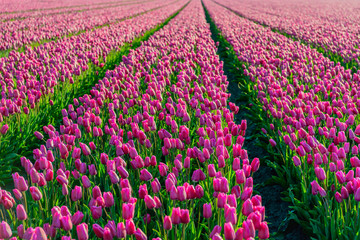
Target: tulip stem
(2, 214)
(41, 210)
(25, 204)
(208, 220)
(183, 231)
(175, 231)
(46, 204)
(357, 212)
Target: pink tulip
(82, 231)
(77, 218)
(128, 210)
(109, 199)
(263, 231)
(76, 194)
(229, 231)
(5, 230)
(96, 212)
(185, 217)
(176, 216)
(167, 223)
(98, 230)
(21, 213)
(35, 193)
(130, 227)
(66, 223)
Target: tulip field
(179, 119)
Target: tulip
(230, 215)
(125, 194)
(149, 202)
(200, 191)
(66, 223)
(76, 194)
(40, 234)
(240, 176)
(247, 207)
(98, 230)
(17, 194)
(96, 212)
(176, 216)
(21, 213)
(147, 219)
(211, 170)
(4, 129)
(22, 184)
(229, 231)
(207, 213)
(5, 230)
(145, 175)
(155, 185)
(109, 199)
(121, 230)
(320, 173)
(130, 227)
(35, 193)
(263, 231)
(296, 161)
(82, 231)
(107, 234)
(248, 229)
(142, 191)
(77, 218)
(185, 217)
(21, 231)
(140, 235)
(167, 223)
(221, 200)
(128, 210)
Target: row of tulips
(15, 34)
(61, 68)
(38, 70)
(64, 8)
(152, 152)
(311, 109)
(331, 26)
(9, 7)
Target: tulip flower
(207, 213)
(5, 230)
(21, 213)
(109, 199)
(167, 223)
(82, 231)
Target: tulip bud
(77, 218)
(35, 193)
(82, 231)
(263, 231)
(167, 223)
(21, 213)
(130, 227)
(207, 210)
(96, 212)
(66, 223)
(5, 230)
(176, 216)
(109, 199)
(229, 231)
